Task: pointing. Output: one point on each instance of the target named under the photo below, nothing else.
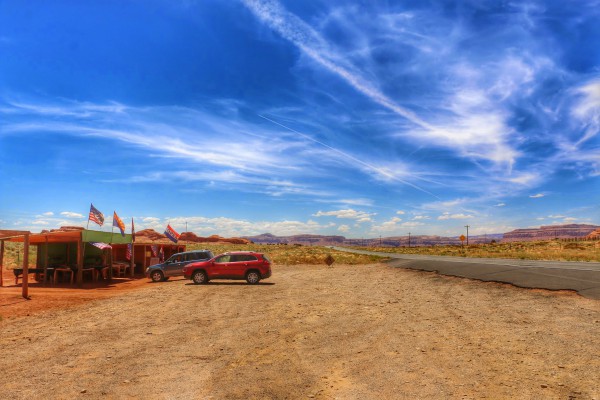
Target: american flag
(128, 252)
(161, 254)
(96, 216)
(101, 245)
(154, 249)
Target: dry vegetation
(290, 254)
(554, 250)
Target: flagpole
(88, 224)
(112, 232)
(132, 265)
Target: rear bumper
(267, 275)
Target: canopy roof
(73, 236)
(5, 234)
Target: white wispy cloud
(447, 216)
(344, 228)
(70, 214)
(388, 226)
(476, 129)
(537, 195)
(349, 213)
(587, 110)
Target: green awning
(106, 237)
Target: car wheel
(157, 276)
(199, 277)
(252, 277)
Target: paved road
(583, 277)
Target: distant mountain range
(530, 234)
(518, 235)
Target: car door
(237, 266)
(247, 262)
(174, 265)
(220, 267)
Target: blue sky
(359, 118)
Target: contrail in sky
(308, 41)
(351, 157)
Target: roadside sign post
(462, 240)
(329, 260)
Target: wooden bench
(38, 271)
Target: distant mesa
(594, 235)
(570, 231)
(65, 229)
(151, 234)
(551, 232)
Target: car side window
(223, 259)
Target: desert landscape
(364, 331)
(411, 189)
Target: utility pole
(467, 226)
(408, 239)
(379, 240)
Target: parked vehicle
(174, 265)
(239, 265)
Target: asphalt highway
(582, 277)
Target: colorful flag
(171, 234)
(128, 251)
(95, 215)
(132, 230)
(161, 254)
(101, 245)
(118, 223)
(154, 249)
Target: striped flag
(172, 234)
(154, 249)
(95, 215)
(101, 245)
(161, 254)
(128, 251)
(118, 223)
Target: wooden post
(46, 261)
(79, 261)
(144, 265)
(132, 265)
(1, 262)
(25, 284)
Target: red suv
(246, 265)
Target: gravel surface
(347, 332)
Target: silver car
(173, 266)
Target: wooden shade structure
(21, 236)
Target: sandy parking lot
(347, 332)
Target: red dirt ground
(12, 304)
